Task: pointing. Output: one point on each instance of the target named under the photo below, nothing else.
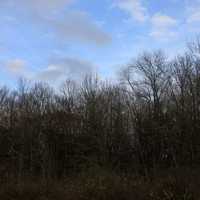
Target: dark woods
(149, 121)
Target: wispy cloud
(192, 16)
(163, 21)
(163, 26)
(42, 7)
(15, 66)
(193, 12)
(134, 8)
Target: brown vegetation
(149, 122)
(168, 185)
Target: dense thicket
(150, 120)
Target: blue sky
(53, 40)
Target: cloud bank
(63, 68)
(78, 26)
(60, 20)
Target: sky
(55, 40)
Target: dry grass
(171, 185)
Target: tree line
(149, 120)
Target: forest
(138, 138)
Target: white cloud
(192, 16)
(59, 69)
(192, 9)
(195, 17)
(163, 34)
(163, 27)
(51, 73)
(134, 8)
(163, 21)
